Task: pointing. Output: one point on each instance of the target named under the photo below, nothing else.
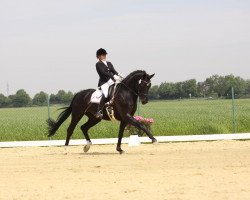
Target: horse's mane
(132, 74)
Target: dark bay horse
(135, 85)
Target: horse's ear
(151, 76)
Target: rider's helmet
(101, 52)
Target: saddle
(96, 98)
(97, 94)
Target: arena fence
(187, 138)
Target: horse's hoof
(122, 152)
(154, 141)
(86, 148)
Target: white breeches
(105, 87)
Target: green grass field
(185, 117)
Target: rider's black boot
(99, 114)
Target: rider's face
(102, 57)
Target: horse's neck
(133, 83)
(131, 86)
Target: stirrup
(99, 114)
(109, 110)
(107, 104)
(110, 103)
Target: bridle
(145, 82)
(137, 93)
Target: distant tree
(202, 89)
(68, 98)
(20, 99)
(247, 87)
(212, 84)
(153, 92)
(167, 91)
(222, 85)
(180, 92)
(190, 87)
(163, 91)
(53, 99)
(237, 83)
(40, 99)
(3, 101)
(11, 98)
(61, 97)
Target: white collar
(105, 62)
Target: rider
(108, 76)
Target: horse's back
(83, 95)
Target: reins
(136, 93)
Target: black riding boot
(99, 114)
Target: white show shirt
(105, 62)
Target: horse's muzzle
(144, 101)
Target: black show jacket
(105, 72)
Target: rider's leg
(112, 96)
(100, 107)
(113, 92)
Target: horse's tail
(54, 125)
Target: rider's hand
(121, 75)
(116, 77)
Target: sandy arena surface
(192, 170)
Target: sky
(48, 45)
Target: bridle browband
(137, 93)
(145, 82)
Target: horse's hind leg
(74, 120)
(121, 131)
(92, 121)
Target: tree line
(22, 99)
(213, 87)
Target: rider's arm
(115, 72)
(101, 71)
(113, 69)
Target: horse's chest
(132, 109)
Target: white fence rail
(182, 138)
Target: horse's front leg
(131, 120)
(120, 135)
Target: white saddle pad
(96, 96)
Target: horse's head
(139, 82)
(143, 87)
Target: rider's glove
(117, 78)
(121, 76)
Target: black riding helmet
(101, 52)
